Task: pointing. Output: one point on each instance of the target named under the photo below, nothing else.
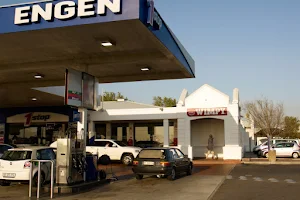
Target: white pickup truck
(116, 150)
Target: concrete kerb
(219, 185)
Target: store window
(120, 131)
(100, 129)
(36, 134)
(149, 134)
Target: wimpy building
(188, 125)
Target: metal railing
(39, 177)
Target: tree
(291, 127)
(164, 102)
(111, 96)
(266, 115)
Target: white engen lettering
(84, 7)
(38, 12)
(115, 6)
(21, 17)
(65, 10)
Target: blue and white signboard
(24, 15)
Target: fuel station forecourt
(78, 44)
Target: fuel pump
(71, 162)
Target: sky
(251, 45)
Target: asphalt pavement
(199, 186)
(251, 182)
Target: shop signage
(30, 117)
(64, 10)
(37, 117)
(153, 17)
(193, 112)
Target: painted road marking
(257, 179)
(290, 181)
(273, 180)
(229, 177)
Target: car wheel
(139, 176)
(172, 176)
(127, 159)
(295, 155)
(259, 154)
(4, 183)
(35, 179)
(189, 170)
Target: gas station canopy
(113, 40)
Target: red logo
(28, 118)
(206, 112)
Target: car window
(99, 143)
(179, 153)
(279, 145)
(152, 153)
(45, 154)
(16, 155)
(289, 145)
(109, 144)
(120, 143)
(174, 154)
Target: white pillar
(188, 137)
(232, 149)
(82, 129)
(108, 130)
(92, 132)
(166, 133)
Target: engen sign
(65, 10)
(194, 112)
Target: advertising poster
(88, 84)
(2, 132)
(73, 90)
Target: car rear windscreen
(152, 153)
(16, 155)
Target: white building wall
(207, 97)
(181, 135)
(232, 148)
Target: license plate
(148, 163)
(9, 175)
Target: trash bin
(91, 173)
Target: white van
(258, 149)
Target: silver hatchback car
(284, 149)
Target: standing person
(130, 142)
(210, 146)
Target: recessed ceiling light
(145, 69)
(38, 76)
(106, 43)
(33, 99)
